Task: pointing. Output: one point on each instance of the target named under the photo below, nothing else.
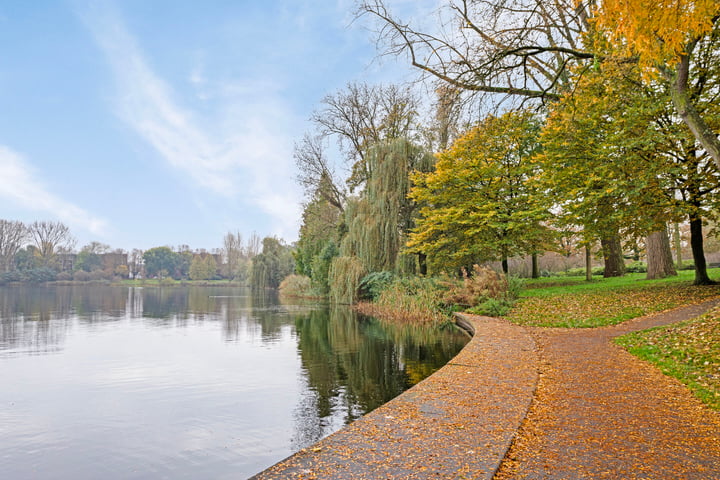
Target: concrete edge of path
(457, 423)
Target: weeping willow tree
(379, 220)
(344, 277)
(272, 265)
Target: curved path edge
(457, 423)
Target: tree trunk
(659, 255)
(613, 256)
(422, 263)
(505, 265)
(678, 247)
(698, 251)
(588, 263)
(687, 110)
(535, 267)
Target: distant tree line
(44, 251)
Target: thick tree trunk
(535, 266)
(588, 263)
(678, 247)
(698, 251)
(613, 256)
(659, 255)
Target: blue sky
(141, 123)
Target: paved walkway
(599, 412)
(530, 403)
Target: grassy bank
(688, 351)
(575, 303)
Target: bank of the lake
(453, 426)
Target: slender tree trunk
(688, 112)
(698, 251)
(678, 247)
(535, 266)
(588, 263)
(422, 263)
(613, 256)
(505, 265)
(659, 255)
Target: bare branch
(517, 48)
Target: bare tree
(315, 172)
(232, 251)
(49, 238)
(97, 248)
(254, 246)
(12, 236)
(363, 115)
(508, 47)
(448, 112)
(135, 262)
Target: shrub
(636, 267)
(296, 286)
(81, 276)
(40, 275)
(493, 307)
(374, 283)
(97, 275)
(64, 276)
(414, 299)
(515, 285)
(13, 276)
(484, 283)
(575, 272)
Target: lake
(188, 382)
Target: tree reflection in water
(353, 364)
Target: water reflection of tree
(168, 303)
(36, 319)
(354, 364)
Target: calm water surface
(200, 382)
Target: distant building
(66, 261)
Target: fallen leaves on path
(598, 412)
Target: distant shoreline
(135, 283)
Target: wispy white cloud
(21, 185)
(237, 151)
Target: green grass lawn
(574, 302)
